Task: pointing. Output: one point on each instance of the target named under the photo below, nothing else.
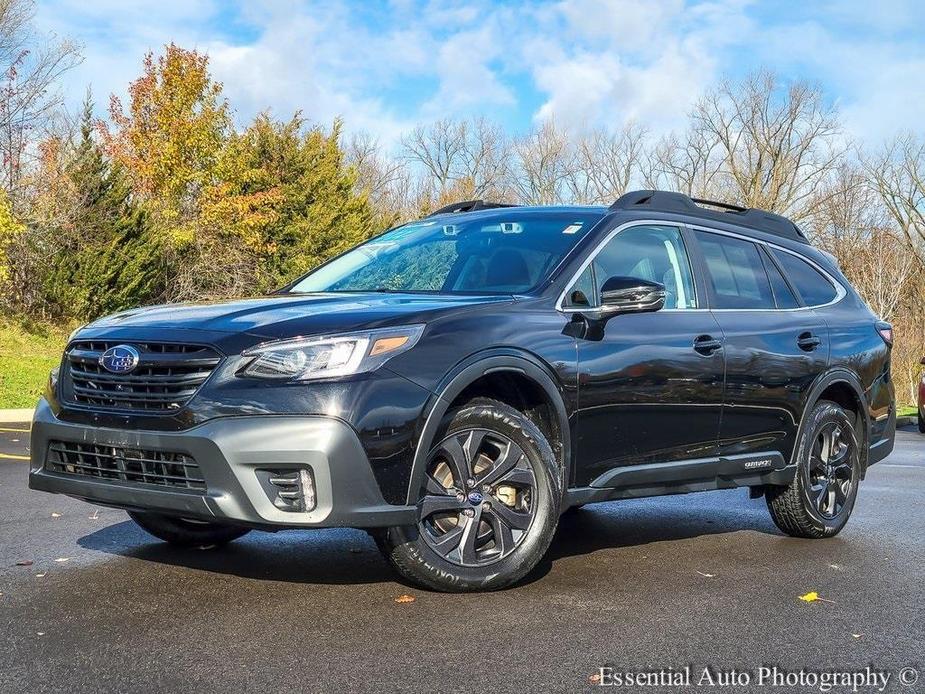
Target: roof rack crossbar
(665, 201)
(722, 205)
(469, 206)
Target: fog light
(289, 490)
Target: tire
(513, 507)
(921, 423)
(187, 533)
(820, 499)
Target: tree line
(164, 199)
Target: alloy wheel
(479, 497)
(831, 469)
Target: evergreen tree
(287, 197)
(107, 259)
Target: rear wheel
(187, 532)
(821, 497)
(488, 506)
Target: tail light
(886, 332)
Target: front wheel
(488, 506)
(187, 532)
(821, 497)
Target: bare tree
(898, 176)
(451, 152)
(544, 160)
(689, 163)
(31, 64)
(605, 163)
(777, 145)
(439, 148)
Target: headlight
(303, 359)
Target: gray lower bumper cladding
(229, 453)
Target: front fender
(466, 373)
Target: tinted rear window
(736, 272)
(809, 282)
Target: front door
(650, 386)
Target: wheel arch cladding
(518, 380)
(844, 389)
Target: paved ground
(703, 580)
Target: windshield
(497, 254)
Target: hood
(292, 315)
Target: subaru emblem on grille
(120, 359)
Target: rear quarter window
(813, 286)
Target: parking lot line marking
(18, 431)
(10, 456)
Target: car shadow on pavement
(347, 556)
(330, 556)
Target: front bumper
(229, 451)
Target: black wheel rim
(479, 497)
(831, 470)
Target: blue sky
(384, 66)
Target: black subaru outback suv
(455, 384)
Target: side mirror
(631, 295)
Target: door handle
(706, 345)
(808, 342)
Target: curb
(16, 416)
(907, 421)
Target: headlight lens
(303, 359)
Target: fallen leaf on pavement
(24, 562)
(61, 559)
(40, 575)
(857, 636)
(706, 575)
(96, 514)
(594, 679)
(40, 633)
(405, 598)
(55, 515)
(813, 596)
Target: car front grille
(166, 377)
(129, 465)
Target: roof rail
(469, 206)
(664, 201)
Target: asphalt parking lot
(703, 580)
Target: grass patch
(907, 411)
(28, 351)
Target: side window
(809, 282)
(653, 253)
(783, 294)
(736, 272)
(582, 292)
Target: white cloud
(583, 62)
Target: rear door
(775, 346)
